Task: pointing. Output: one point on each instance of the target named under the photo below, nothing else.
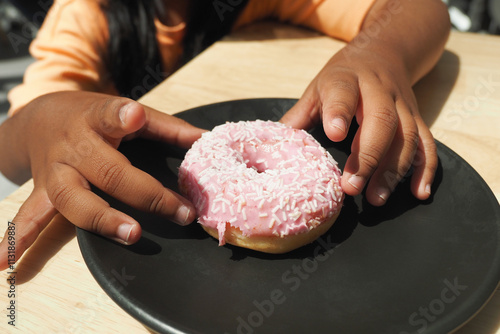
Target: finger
(33, 216)
(372, 140)
(111, 172)
(115, 118)
(425, 162)
(339, 103)
(397, 160)
(173, 130)
(305, 114)
(77, 203)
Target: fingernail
(182, 215)
(357, 182)
(123, 113)
(428, 189)
(383, 193)
(123, 232)
(339, 124)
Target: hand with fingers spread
(371, 82)
(67, 141)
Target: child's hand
(371, 78)
(70, 141)
(376, 88)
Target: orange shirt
(70, 46)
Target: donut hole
(259, 167)
(260, 157)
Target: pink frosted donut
(262, 185)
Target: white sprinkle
(320, 189)
(271, 224)
(263, 215)
(310, 177)
(240, 204)
(320, 197)
(277, 219)
(258, 198)
(295, 216)
(285, 218)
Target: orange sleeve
(68, 52)
(336, 18)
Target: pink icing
(262, 177)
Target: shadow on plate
(401, 201)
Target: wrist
(414, 31)
(378, 57)
(15, 162)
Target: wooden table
(460, 100)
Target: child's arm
(67, 141)
(371, 78)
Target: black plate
(408, 267)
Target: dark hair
(132, 45)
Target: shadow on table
(53, 238)
(433, 90)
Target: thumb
(171, 129)
(116, 118)
(33, 216)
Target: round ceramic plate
(407, 267)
